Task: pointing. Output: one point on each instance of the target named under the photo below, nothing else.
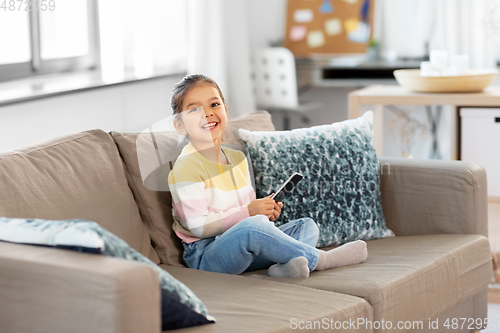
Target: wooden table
(380, 95)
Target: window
(15, 42)
(68, 27)
(116, 36)
(47, 36)
(143, 36)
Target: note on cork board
(333, 26)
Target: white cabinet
(480, 142)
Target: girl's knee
(311, 224)
(256, 222)
(312, 231)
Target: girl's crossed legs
(255, 243)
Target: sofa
(434, 272)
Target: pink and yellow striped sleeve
(202, 208)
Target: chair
(275, 83)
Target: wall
(266, 21)
(126, 107)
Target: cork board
(328, 26)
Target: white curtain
(461, 29)
(458, 26)
(218, 46)
(141, 39)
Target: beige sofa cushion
(78, 176)
(410, 277)
(155, 203)
(155, 206)
(244, 305)
(422, 197)
(254, 121)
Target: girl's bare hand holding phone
(265, 206)
(277, 211)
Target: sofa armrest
(433, 196)
(45, 289)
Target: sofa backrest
(78, 176)
(155, 206)
(154, 202)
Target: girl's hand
(277, 211)
(264, 206)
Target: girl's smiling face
(203, 115)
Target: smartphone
(287, 186)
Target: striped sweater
(208, 198)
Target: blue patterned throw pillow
(180, 306)
(341, 185)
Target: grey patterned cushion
(341, 185)
(88, 236)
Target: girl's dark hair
(185, 85)
(180, 90)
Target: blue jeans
(254, 243)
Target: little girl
(223, 227)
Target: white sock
(294, 268)
(347, 254)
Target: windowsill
(43, 86)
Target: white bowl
(475, 80)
